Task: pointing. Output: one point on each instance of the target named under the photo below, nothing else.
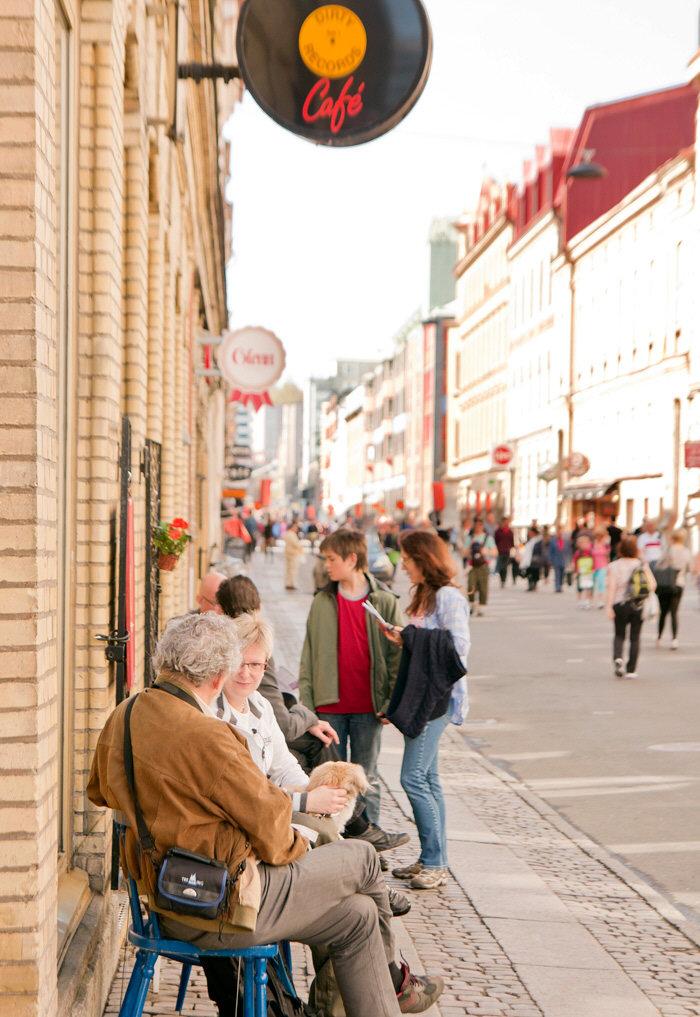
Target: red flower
(180, 523)
(174, 533)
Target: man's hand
(611, 614)
(326, 801)
(325, 733)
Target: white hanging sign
(251, 360)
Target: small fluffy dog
(348, 776)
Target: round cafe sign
(251, 359)
(335, 74)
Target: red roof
(535, 196)
(631, 138)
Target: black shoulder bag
(186, 883)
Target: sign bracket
(208, 72)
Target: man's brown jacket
(199, 790)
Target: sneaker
(631, 674)
(619, 668)
(398, 902)
(674, 644)
(429, 879)
(407, 871)
(418, 992)
(381, 840)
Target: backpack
(638, 588)
(476, 557)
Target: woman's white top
(265, 741)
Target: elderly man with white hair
(200, 790)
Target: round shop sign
(502, 455)
(335, 74)
(577, 465)
(251, 359)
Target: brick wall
(28, 422)
(137, 249)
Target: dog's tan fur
(348, 776)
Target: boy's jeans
(363, 732)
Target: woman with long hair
(436, 603)
(630, 582)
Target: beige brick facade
(111, 258)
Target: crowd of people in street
(261, 777)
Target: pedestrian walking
(600, 551)
(268, 538)
(505, 545)
(671, 572)
(583, 569)
(481, 551)
(615, 535)
(630, 582)
(559, 556)
(649, 543)
(544, 547)
(293, 550)
(431, 691)
(530, 560)
(251, 526)
(348, 667)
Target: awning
(592, 489)
(587, 492)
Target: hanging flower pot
(168, 562)
(170, 541)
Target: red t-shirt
(354, 662)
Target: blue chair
(145, 935)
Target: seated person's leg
(335, 898)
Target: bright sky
(330, 245)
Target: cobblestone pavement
(536, 919)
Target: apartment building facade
(477, 372)
(112, 243)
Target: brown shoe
(418, 992)
(407, 871)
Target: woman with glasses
(241, 705)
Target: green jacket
(318, 669)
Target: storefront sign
(576, 465)
(335, 74)
(692, 454)
(251, 360)
(502, 455)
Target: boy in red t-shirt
(348, 666)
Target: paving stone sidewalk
(535, 919)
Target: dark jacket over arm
(429, 668)
(293, 722)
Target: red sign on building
(692, 455)
(502, 455)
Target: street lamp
(586, 169)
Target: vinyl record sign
(335, 74)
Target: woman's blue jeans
(421, 782)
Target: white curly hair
(199, 647)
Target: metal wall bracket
(115, 650)
(211, 72)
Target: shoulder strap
(179, 693)
(145, 838)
